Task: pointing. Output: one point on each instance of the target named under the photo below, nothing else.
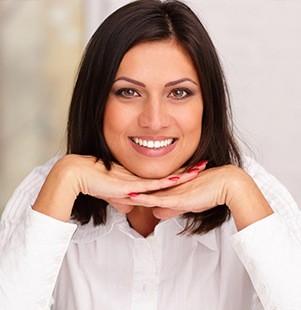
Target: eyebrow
(124, 78)
(180, 81)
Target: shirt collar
(208, 239)
(89, 232)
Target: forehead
(164, 59)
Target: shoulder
(25, 194)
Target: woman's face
(153, 116)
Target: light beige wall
(40, 46)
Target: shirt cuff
(260, 227)
(43, 219)
(32, 260)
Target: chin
(153, 173)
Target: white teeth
(152, 144)
(157, 144)
(167, 142)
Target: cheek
(192, 128)
(197, 125)
(114, 125)
(109, 121)
(190, 121)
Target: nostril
(154, 119)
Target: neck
(142, 220)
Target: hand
(199, 194)
(162, 212)
(228, 185)
(125, 205)
(77, 173)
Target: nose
(154, 115)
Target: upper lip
(153, 138)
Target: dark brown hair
(136, 22)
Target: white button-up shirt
(49, 264)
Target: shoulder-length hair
(137, 22)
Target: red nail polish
(202, 163)
(193, 170)
(174, 178)
(133, 194)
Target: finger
(158, 201)
(144, 186)
(123, 201)
(126, 187)
(200, 166)
(165, 214)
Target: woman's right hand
(74, 174)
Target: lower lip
(153, 152)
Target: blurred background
(41, 42)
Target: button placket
(148, 288)
(145, 276)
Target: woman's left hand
(227, 184)
(206, 191)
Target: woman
(191, 224)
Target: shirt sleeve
(270, 249)
(32, 248)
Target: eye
(127, 93)
(180, 93)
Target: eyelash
(121, 93)
(187, 91)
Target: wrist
(59, 191)
(244, 199)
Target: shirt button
(145, 249)
(51, 279)
(152, 241)
(274, 308)
(250, 267)
(148, 288)
(42, 303)
(261, 289)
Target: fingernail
(193, 170)
(174, 178)
(202, 163)
(133, 194)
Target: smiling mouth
(153, 144)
